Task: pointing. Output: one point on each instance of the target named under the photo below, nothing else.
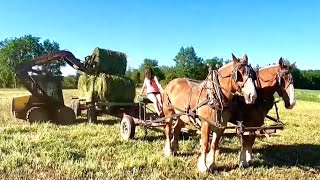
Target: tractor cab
(36, 108)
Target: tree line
(186, 64)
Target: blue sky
(265, 30)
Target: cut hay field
(96, 151)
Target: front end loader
(46, 103)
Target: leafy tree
(227, 61)
(134, 74)
(47, 48)
(187, 57)
(70, 82)
(150, 63)
(17, 50)
(214, 62)
(188, 64)
(170, 73)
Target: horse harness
(214, 98)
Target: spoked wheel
(65, 116)
(127, 128)
(76, 108)
(37, 115)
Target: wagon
(144, 117)
(133, 114)
(150, 120)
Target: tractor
(46, 103)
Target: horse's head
(285, 83)
(278, 78)
(240, 78)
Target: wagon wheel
(127, 128)
(37, 115)
(65, 116)
(76, 108)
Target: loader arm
(23, 70)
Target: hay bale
(109, 88)
(109, 62)
(85, 87)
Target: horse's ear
(234, 59)
(245, 59)
(292, 66)
(281, 63)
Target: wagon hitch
(241, 130)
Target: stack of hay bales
(109, 84)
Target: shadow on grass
(183, 136)
(81, 120)
(185, 154)
(304, 156)
(108, 122)
(152, 138)
(307, 155)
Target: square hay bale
(109, 88)
(109, 62)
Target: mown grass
(79, 151)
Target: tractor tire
(76, 108)
(65, 116)
(37, 115)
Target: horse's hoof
(213, 167)
(202, 168)
(243, 164)
(168, 152)
(175, 151)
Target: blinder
(280, 78)
(248, 71)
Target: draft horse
(203, 105)
(270, 79)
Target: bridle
(212, 83)
(248, 71)
(280, 78)
(234, 74)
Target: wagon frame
(128, 124)
(133, 114)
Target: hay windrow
(109, 88)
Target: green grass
(308, 95)
(79, 151)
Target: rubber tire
(127, 128)
(65, 116)
(37, 115)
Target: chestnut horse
(270, 79)
(204, 103)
